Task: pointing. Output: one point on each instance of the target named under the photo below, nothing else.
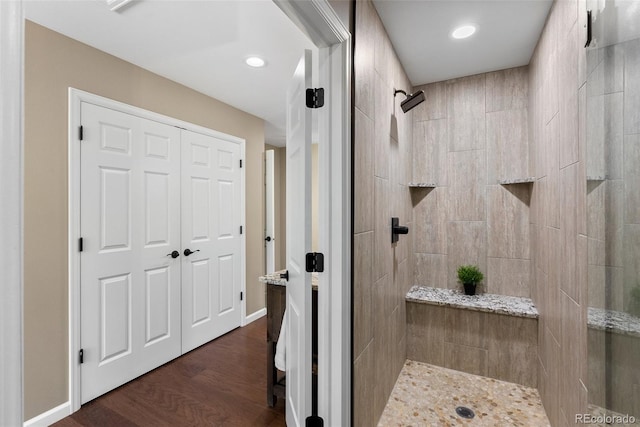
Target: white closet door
(130, 222)
(211, 214)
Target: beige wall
(53, 63)
(280, 203)
(557, 76)
(468, 135)
(382, 169)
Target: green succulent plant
(470, 274)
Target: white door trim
(318, 20)
(76, 97)
(11, 213)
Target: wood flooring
(222, 383)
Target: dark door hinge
(315, 98)
(81, 356)
(81, 133)
(80, 244)
(241, 229)
(240, 163)
(314, 262)
(589, 34)
(241, 296)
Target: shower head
(411, 99)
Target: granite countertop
(274, 279)
(500, 304)
(613, 321)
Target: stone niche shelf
(613, 321)
(515, 181)
(495, 336)
(490, 303)
(421, 185)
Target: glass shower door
(613, 209)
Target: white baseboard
(255, 316)
(51, 416)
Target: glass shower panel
(613, 207)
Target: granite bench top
(613, 321)
(275, 279)
(490, 303)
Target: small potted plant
(470, 276)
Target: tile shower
(533, 175)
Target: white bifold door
(149, 192)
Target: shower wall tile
(595, 136)
(467, 174)
(430, 151)
(553, 284)
(466, 245)
(466, 359)
(383, 50)
(382, 126)
(507, 90)
(383, 165)
(363, 388)
(363, 173)
(569, 184)
(362, 292)
(430, 219)
(573, 354)
(632, 179)
(431, 270)
(552, 184)
(631, 265)
(508, 277)
(507, 135)
(632, 87)
(513, 349)
(435, 106)
(568, 103)
(364, 59)
(614, 222)
(466, 327)
(508, 221)
(382, 249)
(466, 113)
(425, 333)
(613, 128)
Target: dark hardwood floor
(222, 383)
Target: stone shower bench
(491, 335)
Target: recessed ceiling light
(463, 32)
(254, 61)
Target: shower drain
(465, 412)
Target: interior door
(130, 287)
(270, 213)
(299, 126)
(211, 215)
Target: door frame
(11, 213)
(319, 21)
(76, 97)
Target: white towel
(281, 346)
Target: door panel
(211, 206)
(270, 212)
(298, 401)
(130, 288)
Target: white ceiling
(200, 44)
(507, 32)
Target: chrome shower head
(411, 100)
